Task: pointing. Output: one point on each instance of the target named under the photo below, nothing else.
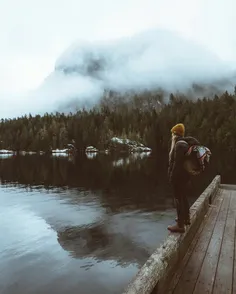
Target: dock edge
(155, 275)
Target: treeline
(212, 121)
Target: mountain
(152, 60)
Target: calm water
(83, 225)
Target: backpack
(198, 158)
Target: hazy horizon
(36, 35)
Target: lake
(85, 224)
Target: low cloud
(149, 60)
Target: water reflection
(68, 221)
(91, 155)
(72, 239)
(132, 158)
(95, 241)
(5, 155)
(135, 184)
(128, 238)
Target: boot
(187, 222)
(176, 229)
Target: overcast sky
(33, 33)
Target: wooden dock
(209, 265)
(201, 260)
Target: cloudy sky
(35, 32)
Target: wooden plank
(234, 269)
(212, 212)
(207, 274)
(192, 268)
(228, 187)
(224, 273)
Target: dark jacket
(176, 171)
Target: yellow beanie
(178, 130)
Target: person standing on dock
(178, 175)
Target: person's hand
(195, 173)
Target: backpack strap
(190, 150)
(182, 141)
(186, 143)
